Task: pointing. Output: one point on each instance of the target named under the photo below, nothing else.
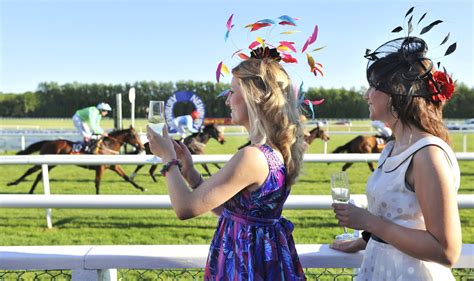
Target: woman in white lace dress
(412, 229)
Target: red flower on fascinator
(444, 88)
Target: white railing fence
(211, 158)
(100, 262)
(10, 141)
(45, 160)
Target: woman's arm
(189, 172)
(432, 177)
(247, 168)
(433, 180)
(348, 246)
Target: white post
(464, 143)
(118, 117)
(108, 274)
(325, 147)
(23, 142)
(49, 212)
(133, 114)
(131, 98)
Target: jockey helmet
(195, 114)
(104, 106)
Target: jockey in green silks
(87, 120)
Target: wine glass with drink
(156, 116)
(341, 194)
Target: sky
(114, 41)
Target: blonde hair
(273, 110)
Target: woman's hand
(161, 146)
(184, 155)
(348, 246)
(352, 216)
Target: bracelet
(201, 180)
(366, 236)
(167, 166)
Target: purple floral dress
(252, 240)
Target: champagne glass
(341, 194)
(156, 116)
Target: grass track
(106, 227)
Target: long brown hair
(407, 84)
(273, 111)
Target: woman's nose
(366, 95)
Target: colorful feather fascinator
(408, 55)
(284, 51)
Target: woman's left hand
(161, 145)
(352, 216)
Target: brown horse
(196, 144)
(362, 144)
(316, 133)
(108, 145)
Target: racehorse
(316, 133)
(108, 145)
(196, 144)
(363, 144)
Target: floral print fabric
(252, 241)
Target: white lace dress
(390, 197)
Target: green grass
(106, 227)
(140, 124)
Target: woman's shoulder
(430, 144)
(436, 154)
(431, 147)
(425, 148)
(252, 153)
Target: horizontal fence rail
(100, 262)
(294, 202)
(211, 158)
(49, 202)
(167, 256)
(16, 139)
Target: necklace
(397, 145)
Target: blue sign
(184, 96)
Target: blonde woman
(252, 241)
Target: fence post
(85, 275)
(118, 117)
(49, 212)
(23, 142)
(108, 274)
(464, 143)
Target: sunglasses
(225, 93)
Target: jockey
(185, 122)
(87, 121)
(382, 130)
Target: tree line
(61, 101)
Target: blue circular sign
(184, 96)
